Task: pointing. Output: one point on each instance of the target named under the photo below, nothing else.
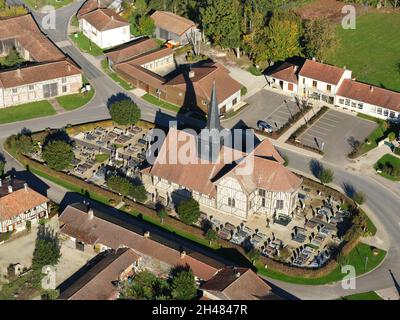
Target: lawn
(85, 45)
(36, 4)
(371, 50)
(114, 76)
(254, 71)
(371, 295)
(26, 111)
(161, 103)
(100, 158)
(392, 161)
(377, 135)
(356, 258)
(75, 101)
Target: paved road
(380, 200)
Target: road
(380, 200)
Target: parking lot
(335, 133)
(267, 106)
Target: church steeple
(213, 121)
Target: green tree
(47, 252)
(146, 286)
(325, 176)
(58, 154)
(211, 235)
(189, 211)
(359, 198)
(127, 187)
(284, 33)
(184, 286)
(254, 255)
(124, 112)
(320, 38)
(146, 26)
(23, 143)
(221, 22)
(2, 166)
(392, 136)
(162, 214)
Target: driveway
(265, 105)
(335, 133)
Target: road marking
(323, 128)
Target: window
(31, 87)
(392, 114)
(328, 87)
(347, 102)
(304, 80)
(231, 202)
(64, 80)
(385, 113)
(64, 89)
(360, 105)
(261, 192)
(314, 84)
(353, 104)
(15, 90)
(204, 102)
(379, 111)
(50, 90)
(341, 101)
(234, 101)
(279, 204)
(263, 202)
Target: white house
(104, 27)
(284, 78)
(19, 204)
(360, 97)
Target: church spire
(213, 121)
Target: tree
(162, 214)
(126, 187)
(392, 136)
(211, 235)
(254, 255)
(221, 22)
(326, 176)
(146, 26)
(183, 286)
(47, 251)
(2, 166)
(58, 154)
(24, 143)
(124, 112)
(359, 198)
(320, 38)
(284, 33)
(189, 211)
(12, 11)
(145, 286)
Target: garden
(388, 166)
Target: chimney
(313, 59)
(26, 187)
(344, 67)
(183, 254)
(19, 75)
(10, 189)
(295, 68)
(1, 183)
(191, 74)
(147, 234)
(237, 275)
(69, 67)
(371, 88)
(90, 214)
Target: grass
(376, 62)
(36, 4)
(100, 158)
(355, 258)
(393, 161)
(85, 45)
(377, 135)
(254, 71)
(161, 103)
(371, 295)
(114, 76)
(26, 111)
(75, 101)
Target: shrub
(127, 187)
(189, 211)
(391, 136)
(124, 112)
(58, 154)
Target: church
(220, 177)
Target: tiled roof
(286, 72)
(172, 22)
(131, 50)
(322, 72)
(37, 73)
(18, 201)
(104, 19)
(370, 94)
(114, 236)
(97, 282)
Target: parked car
(264, 126)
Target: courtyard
(335, 133)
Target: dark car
(264, 126)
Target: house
(101, 281)
(86, 229)
(220, 183)
(19, 204)
(284, 78)
(232, 283)
(177, 29)
(104, 27)
(320, 81)
(373, 101)
(45, 71)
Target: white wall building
(105, 28)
